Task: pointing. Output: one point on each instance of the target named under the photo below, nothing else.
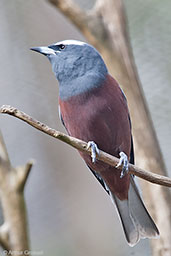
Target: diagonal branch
(72, 11)
(82, 146)
(76, 15)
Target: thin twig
(82, 146)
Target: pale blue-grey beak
(45, 50)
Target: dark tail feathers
(136, 221)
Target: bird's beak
(43, 50)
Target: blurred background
(68, 212)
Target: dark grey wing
(98, 177)
(124, 96)
(132, 145)
(132, 152)
(60, 116)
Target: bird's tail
(136, 221)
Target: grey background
(68, 212)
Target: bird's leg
(123, 161)
(94, 150)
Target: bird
(94, 108)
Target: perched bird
(93, 108)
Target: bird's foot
(94, 150)
(123, 161)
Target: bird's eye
(61, 46)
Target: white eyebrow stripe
(69, 42)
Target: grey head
(77, 66)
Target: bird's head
(75, 63)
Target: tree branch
(13, 233)
(4, 236)
(76, 15)
(72, 11)
(22, 175)
(82, 146)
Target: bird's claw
(123, 161)
(94, 150)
